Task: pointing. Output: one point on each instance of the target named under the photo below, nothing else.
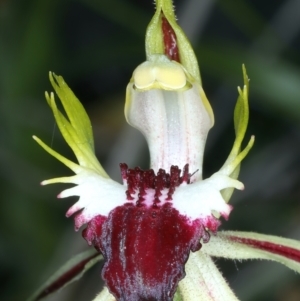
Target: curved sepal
(155, 39)
(71, 271)
(76, 130)
(203, 280)
(73, 166)
(231, 166)
(248, 245)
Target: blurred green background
(96, 45)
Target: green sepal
(177, 295)
(239, 245)
(77, 129)
(154, 38)
(241, 117)
(87, 259)
(203, 280)
(74, 109)
(241, 113)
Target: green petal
(76, 130)
(203, 281)
(73, 166)
(71, 271)
(248, 245)
(241, 116)
(154, 38)
(74, 109)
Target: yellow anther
(160, 73)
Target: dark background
(96, 45)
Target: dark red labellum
(145, 247)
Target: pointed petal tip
(52, 75)
(72, 210)
(226, 214)
(80, 219)
(46, 182)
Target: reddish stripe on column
(170, 41)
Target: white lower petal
(97, 196)
(202, 198)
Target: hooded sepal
(164, 24)
(170, 109)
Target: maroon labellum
(146, 242)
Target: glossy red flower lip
(146, 241)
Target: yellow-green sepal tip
(76, 128)
(155, 43)
(73, 166)
(241, 117)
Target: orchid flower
(158, 230)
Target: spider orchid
(158, 230)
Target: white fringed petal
(201, 198)
(97, 196)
